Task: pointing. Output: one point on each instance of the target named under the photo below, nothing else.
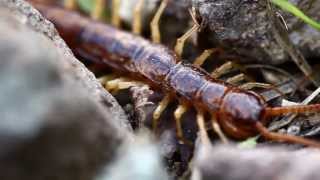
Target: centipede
(235, 111)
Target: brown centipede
(241, 113)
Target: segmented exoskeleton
(241, 113)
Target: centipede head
(239, 112)
(243, 107)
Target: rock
(229, 162)
(301, 34)
(27, 15)
(139, 160)
(242, 26)
(245, 27)
(56, 120)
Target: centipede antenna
(136, 24)
(70, 4)
(178, 113)
(296, 109)
(154, 25)
(202, 128)
(217, 129)
(98, 9)
(284, 137)
(223, 69)
(115, 18)
(236, 79)
(158, 111)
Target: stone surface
(229, 163)
(246, 28)
(56, 120)
(27, 15)
(139, 160)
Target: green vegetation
(287, 6)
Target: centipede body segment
(239, 112)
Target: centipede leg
(283, 137)
(158, 111)
(104, 79)
(202, 128)
(235, 79)
(70, 4)
(112, 85)
(136, 25)
(98, 9)
(154, 25)
(126, 85)
(178, 113)
(223, 69)
(181, 41)
(217, 129)
(121, 83)
(204, 56)
(115, 17)
(251, 85)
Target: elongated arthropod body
(241, 113)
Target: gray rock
(242, 26)
(139, 160)
(301, 34)
(229, 163)
(246, 28)
(53, 124)
(27, 15)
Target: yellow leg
(180, 41)
(136, 27)
(113, 84)
(126, 85)
(70, 4)
(104, 79)
(251, 85)
(181, 109)
(217, 129)
(98, 9)
(223, 69)
(121, 83)
(202, 128)
(203, 57)
(115, 19)
(161, 107)
(155, 32)
(235, 79)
